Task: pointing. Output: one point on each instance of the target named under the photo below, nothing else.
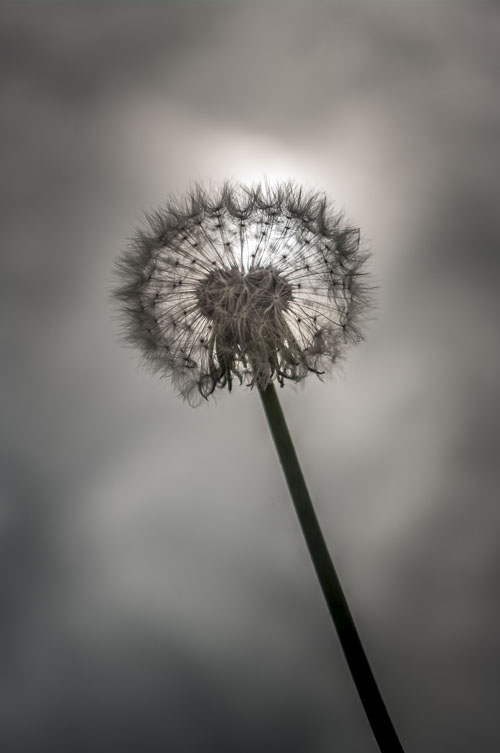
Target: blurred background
(156, 593)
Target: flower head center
(245, 299)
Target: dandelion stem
(364, 680)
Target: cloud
(156, 586)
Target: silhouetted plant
(258, 285)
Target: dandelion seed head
(252, 284)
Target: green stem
(364, 680)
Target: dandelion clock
(251, 286)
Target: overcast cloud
(156, 592)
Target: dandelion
(248, 285)
(256, 285)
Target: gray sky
(156, 590)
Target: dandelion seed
(271, 279)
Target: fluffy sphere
(248, 283)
